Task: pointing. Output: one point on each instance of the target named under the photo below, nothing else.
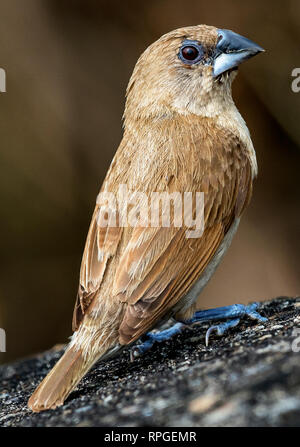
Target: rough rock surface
(250, 377)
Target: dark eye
(190, 52)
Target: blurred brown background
(67, 65)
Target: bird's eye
(190, 53)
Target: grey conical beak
(231, 50)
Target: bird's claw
(220, 329)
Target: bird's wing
(101, 244)
(154, 267)
(160, 265)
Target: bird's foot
(150, 338)
(232, 313)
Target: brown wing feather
(176, 278)
(101, 244)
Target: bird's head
(189, 70)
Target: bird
(182, 133)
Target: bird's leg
(233, 314)
(150, 338)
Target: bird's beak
(231, 50)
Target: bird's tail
(60, 381)
(88, 345)
(68, 371)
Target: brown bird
(182, 133)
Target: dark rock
(250, 377)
